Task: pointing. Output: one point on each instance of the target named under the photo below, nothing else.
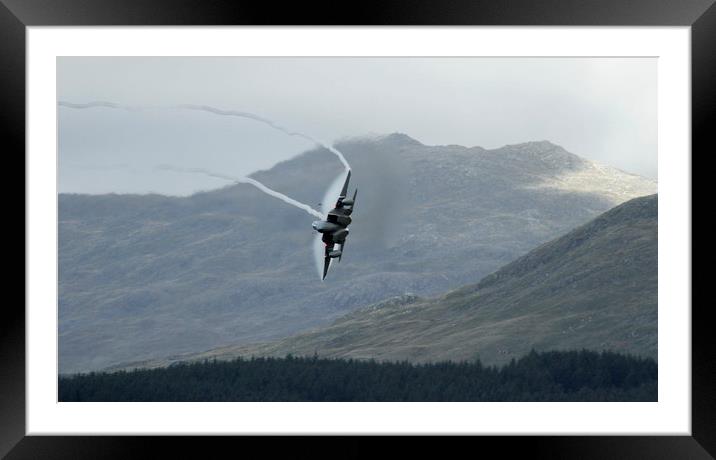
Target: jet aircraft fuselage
(334, 229)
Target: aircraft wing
(343, 246)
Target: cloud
(603, 109)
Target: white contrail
(332, 190)
(246, 180)
(214, 110)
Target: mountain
(595, 288)
(146, 276)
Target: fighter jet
(335, 227)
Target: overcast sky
(603, 109)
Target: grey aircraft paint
(335, 227)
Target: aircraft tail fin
(326, 264)
(344, 191)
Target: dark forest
(539, 376)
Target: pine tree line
(545, 376)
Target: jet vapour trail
(266, 121)
(210, 109)
(245, 180)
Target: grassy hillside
(146, 276)
(593, 288)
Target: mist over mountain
(146, 276)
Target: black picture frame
(16, 15)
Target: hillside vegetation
(147, 276)
(595, 287)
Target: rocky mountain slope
(145, 276)
(594, 288)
